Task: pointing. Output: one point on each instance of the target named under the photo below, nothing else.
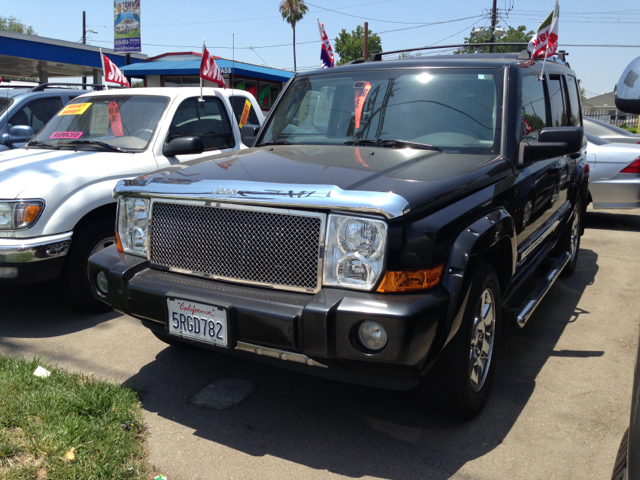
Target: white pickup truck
(56, 194)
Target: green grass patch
(129, 34)
(41, 419)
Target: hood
(425, 178)
(29, 169)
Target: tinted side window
(237, 103)
(36, 113)
(559, 117)
(574, 101)
(534, 107)
(207, 120)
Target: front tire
(86, 241)
(571, 238)
(460, 381)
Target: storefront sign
(127, 26)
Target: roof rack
(377, 56)
(41, 87)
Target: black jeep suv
(385, 223)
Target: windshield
(454, 110)
(4, 104)
(114, 122)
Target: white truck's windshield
(115, 122)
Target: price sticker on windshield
(66, 135)
(75, 109)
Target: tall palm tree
(292, 12)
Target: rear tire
(86, 241)
(570, 240)
(460, 381)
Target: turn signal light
(633, 167)
(411, 280)
(31, 213)
(119, 243)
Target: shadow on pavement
(608, 220)
(353, 430)
(38, 311)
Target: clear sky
(174, 25)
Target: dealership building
(182, 69)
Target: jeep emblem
(225, 191)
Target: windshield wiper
(383, 142)
(43, 145)
(95, 142)
(274, 142)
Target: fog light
(8, 272)
(102, 284)
(372, 335)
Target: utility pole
(84, 41)
(493, 25)
(366, 40)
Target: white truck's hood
(28, 173)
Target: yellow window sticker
(245, 113)
(75, 109)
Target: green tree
(350, 46)
(583, 94)
(513, 35)
(12, 24)
(292, 12)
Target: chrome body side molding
(281, 354)
(388, 204)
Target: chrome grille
(246, 244)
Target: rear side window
(238, 104)
(558, 101)
(36, 113)
(207, 120)
(574, 102)
(534, 107)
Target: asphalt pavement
(559, 407)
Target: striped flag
(545, 42)
(326, 54)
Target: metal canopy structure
(45, 58)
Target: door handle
(553, 169)
(575, 155)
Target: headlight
(133, 220)
(19, 214)
(354, 252)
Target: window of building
(207, 120)
(247, 85)
(187, 81)
(534, 107)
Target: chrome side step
(281, 354)
(538, 293)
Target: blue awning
(192, 67)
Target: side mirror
(248, 134)
(20, 134)
(552, 142)
(183, 146)
(628, 89)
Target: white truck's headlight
(133, 221)
(19, 214)
(354, 251)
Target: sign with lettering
(126, 26)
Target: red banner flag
(112, 73)
(209, 69)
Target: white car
(614, 177)
(127, 25)
(56, 194)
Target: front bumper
(318, 329)
(31, 260)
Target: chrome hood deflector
(388, 204)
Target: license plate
(198, 321)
